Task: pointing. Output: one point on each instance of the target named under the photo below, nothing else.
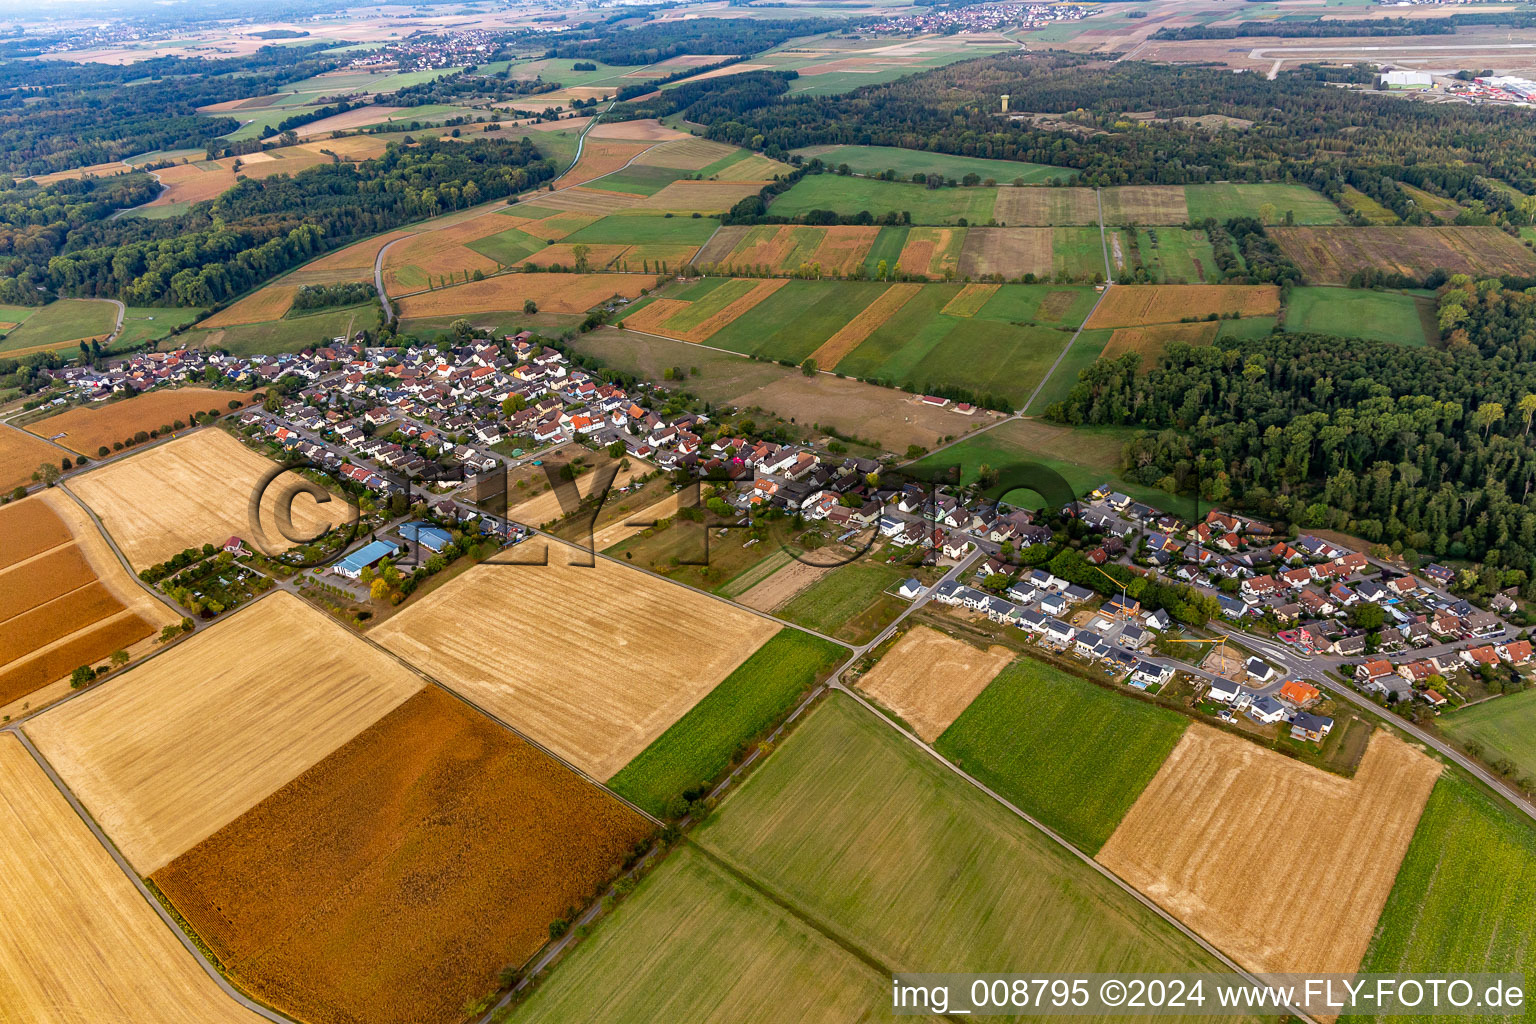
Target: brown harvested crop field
(853, 334)
(553, 227)
(65, 599)
(20, 455)
(197, 490)
(599, 157)
(1331, 255)
(554, 293)
(893, 418)
(78, 944)
(969, 300)
(1133, 305)
(714, 323)
(1040, 206)
(359, 256)
(645, 130)
(765, 246)
(544, 507)
(1012, 252)
(587, 200)
(1145, 204)
(843, 248)
(419, 262)
(599, 256)
(269, 303)
(705, 197)
(931, 251)
(782, 585)
(390, 882)
(1149, 342)
(169, 753)
(752, 168)
(653, 318)
(603, 660)
(87, 428)
(1235, 840)
(357, 117)
(929, 678)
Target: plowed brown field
(1038, 206)
(1012, 252)
(1332, 255)
(603, 661)
(1149, 342)
(1281, 865)
(78, 944)
(169, 753)
(929, 678)
(390, 882)
(89, 427)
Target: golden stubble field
(1132, 305)
(929, 678)
(168, 753)
(78, 943)
(20, 455)
(87, 428)
(594, 663)
(1282, 866)
(198, 489)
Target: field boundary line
(1108, 875)
(102, 529)
(718, 225)
(1063, 354)
(1109, 274)
(218, 978)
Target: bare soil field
(1149, 342)
(88, 428)
(1039, 206)
(269, 303)
(20, 455)
(1332, 255)
(1235, 840)
(843, 248)
(931, 251)
(1133, 305)
(390, 882)
(969, 300)
(355, 118)
(554, 293)
(1012, 252)
(198, 489)
(78, 944)
(171, 752)
(600, 156)
(852, 334)
(704, 197)
(67, 603)
(784, 584)
(592, 671)
(720, 246)
(893, 418)
(929, 678)
(1145, 204)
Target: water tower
(1005, 103)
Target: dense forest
(255, 230)
(1424, 450)
(648, 43)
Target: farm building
(364, 557)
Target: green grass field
(1177, 255)
(906, 162)
(1071, 754)
(146, 323)
(849, 602)
(850, 195)
(1084, 351)
(886, 249)
(1367, 207)
(508, 247)
(1356, 313)
(792, 322)
(646, 230)
(639, 179)
(1246, 328)
(1078, 253)
(63, 320)
(698, 943)
(1227, 200)
(700, 746)
(1465, 895)
(1505, 729)
(857, 828)
(289, 334)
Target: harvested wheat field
(192, 183)
(390, 882)
(754, 167)
(1039, 206)
(638, 521)
(1282, 866)
(654, 316)
(1332, 255)
(168, 754)
(78, 943)
(686, 154)
(20, 455)
(600, 256)
(969, 300)
(1132, 305)
(198, 489)
(705, 197)
(599, 157)
(784, 584)
(931, 251)
(545, 507)
(422, 260)
(357, 117)
(587, 200)
(1012, 252)
(552, 227)
(352, 263)
(87, 428)
(852, 334)
(928, 678)
(646, 130)
(269, 303)
(65, 599)
(1149, 342)
(590, 669)
(554, 293)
